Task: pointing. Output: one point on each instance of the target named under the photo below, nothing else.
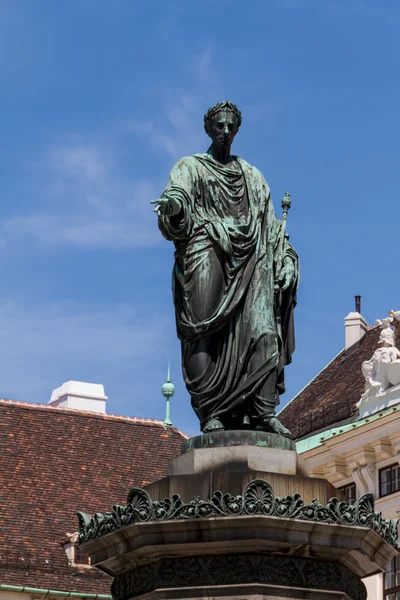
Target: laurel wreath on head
(226, 105)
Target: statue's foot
(213, 425)
(273, 425)
(246, 422)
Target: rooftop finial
(168, 390)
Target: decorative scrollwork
(288, 506)
(226, 504)
(195, 571)
(346, 513)
(140, 505)
(258, 498)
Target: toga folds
(237, 334)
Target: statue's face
(223, 128)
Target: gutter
(31, 590)
(318, 439)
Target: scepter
(286, 202)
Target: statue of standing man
(234, 282)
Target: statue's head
(222, 122)
(386, 337)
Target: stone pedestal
(229, 460)
(237, 451)
(239, 529)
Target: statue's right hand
(167, 206)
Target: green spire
(168, 390)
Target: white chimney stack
(80, 395)
(355, 326)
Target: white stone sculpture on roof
(382, 371)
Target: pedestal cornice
(146, 530)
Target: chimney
(80, 395)
(355, 325)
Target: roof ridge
(88, 413)
(311, 380)
(370, 328)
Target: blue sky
(99, 99)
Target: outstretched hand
(167, 206)
(286, 275)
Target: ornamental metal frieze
(236, 569)
(258, 498)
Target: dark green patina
(234, 282)
(239, 569)
(222, 439)
(257, 498)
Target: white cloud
(178, 130)
(44, 346)
(87, 199)
(205, 72)
(79, 230)
(78, 161)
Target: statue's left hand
(286, 275)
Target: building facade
(349, 429)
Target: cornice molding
(257, 498)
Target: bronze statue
(234, 282)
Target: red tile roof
(56, 461)
(332, 395)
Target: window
(81, 558)
(389, 480)
(349, 492)
(392, 580)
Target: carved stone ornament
(258, 498)
(377, 370)
(239, 569)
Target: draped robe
(237, 333)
